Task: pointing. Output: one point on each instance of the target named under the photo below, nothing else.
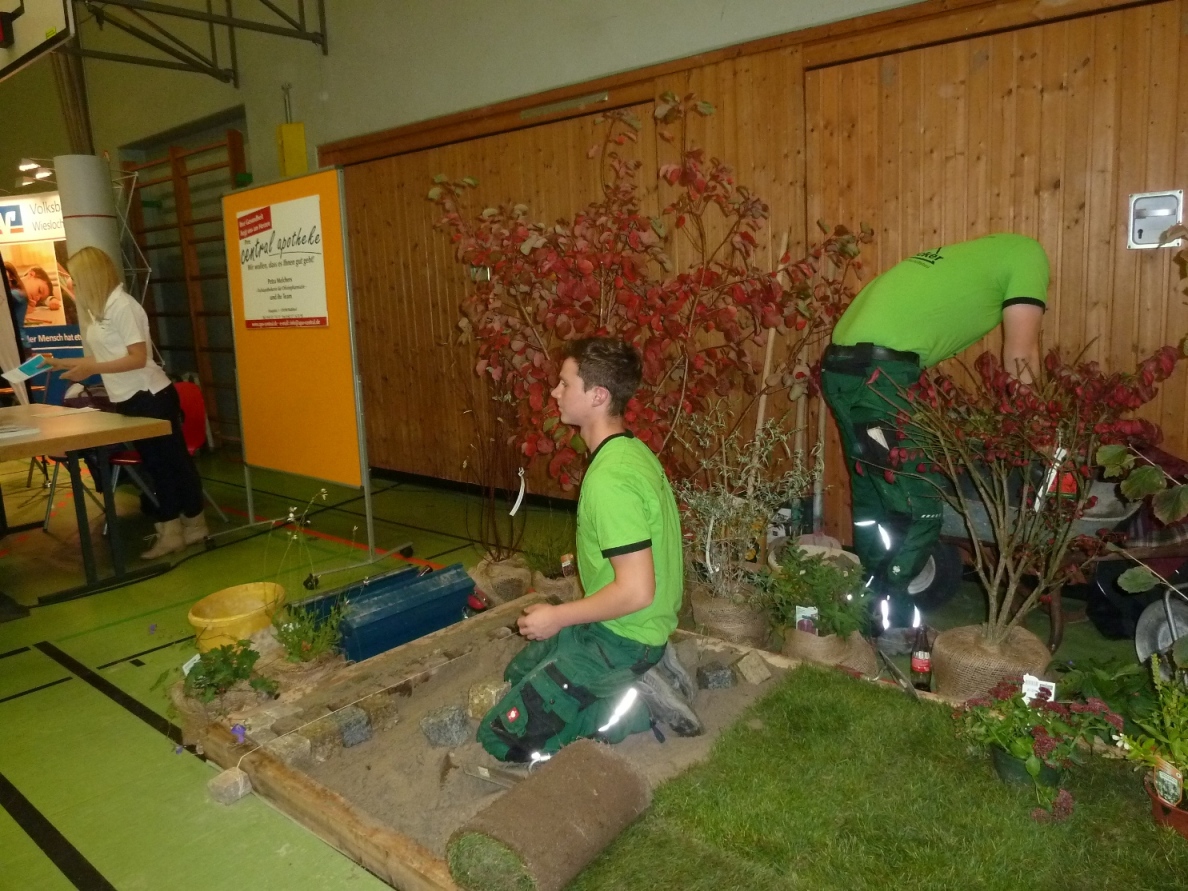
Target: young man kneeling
(592, 661)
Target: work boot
(194, 528)
(667, 705)
(674, 672)
(169, 540)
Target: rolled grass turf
(543, 831)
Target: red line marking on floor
(325, 536)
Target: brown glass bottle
(922, 660)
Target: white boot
(169, 540)
(194, 528)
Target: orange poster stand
(299, 389)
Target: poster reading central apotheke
(280, 258)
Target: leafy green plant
(1039, 733)
(1163, 734)
(305, 634)
(1124, 686)
(218, 670)
(831, 583)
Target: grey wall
(391, 62)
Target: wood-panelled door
(1044, 130)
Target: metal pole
(360, 421)
(247, 487)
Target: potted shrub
(1161, 743)
(1014, 462)
(725, 510)
(1034, 742)
(828, 585)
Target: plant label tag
(190, 663)
(806, 619)
(1169, 782)
(1032, 686)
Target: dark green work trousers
(575, 685)
(896, 524)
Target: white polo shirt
(124, 323)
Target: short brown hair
(609, 363)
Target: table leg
(80, 511)
(109, 509)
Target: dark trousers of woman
(175, 478)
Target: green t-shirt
(626, 504)
(939, 302)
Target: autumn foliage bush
(699, 310)
(1026, 455)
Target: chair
(81, 396)
(194, 426)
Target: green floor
(99, 789)
(102, 797)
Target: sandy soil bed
(399, 779)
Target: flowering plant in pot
(1034, 741)
(827, 584)
(1014, 462)
(1161, 743)
(683, 285)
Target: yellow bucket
(235, 613)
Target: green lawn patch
(833, 783)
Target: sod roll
(547, 829)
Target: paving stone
(324, 738)
(381, 711)
(288, 724)
(229, 786)
(752, 668)
(261, 737)
(715, 676)
(447, 726)
(294, 750)
(354, 725)
(483, 696)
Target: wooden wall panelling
(408, 284)
(1043, 130)
(758, 130)
(1175, 391)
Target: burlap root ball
(965, 666)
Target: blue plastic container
(387, 610)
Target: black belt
(861, 356)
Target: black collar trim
(626, 433)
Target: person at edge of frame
(600, 667)
(918, 313)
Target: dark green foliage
(833, 584)
(218, 670)
(1124, 685)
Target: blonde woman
(121, 352)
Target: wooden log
(393, 857)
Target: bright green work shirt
(939, 302)
(626, 505)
